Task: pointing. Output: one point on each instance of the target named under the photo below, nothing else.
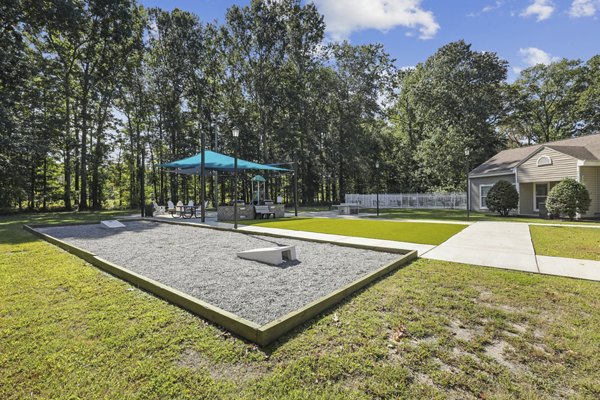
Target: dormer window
(543, 161)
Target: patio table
(187, 211)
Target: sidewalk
(491, 244)
(508, 245)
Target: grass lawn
(461, 215)
(429, 330)
(565, 241)
(414, 232)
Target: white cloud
(487, 9)
(584, 8)
(343, 17)
(533, 56)
(543, 9)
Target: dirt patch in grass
(462, 332)
(240, 373)
(498, 351)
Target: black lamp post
(467, 152)
(377, 168)
(236, 134)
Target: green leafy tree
(588, 102)
(502, 198)
(546, 100)
(449, 102)
(568, 197)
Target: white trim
(535, 193)
(547, 161)
(480, 197)
(588, 163)
(518, 187)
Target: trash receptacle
(149, 210)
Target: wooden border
(262, 335)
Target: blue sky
(524, 32)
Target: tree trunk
(84, 127)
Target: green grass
(461, 215)
(430, 330)
(414, 232)
(562, 241)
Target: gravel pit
(202, 263)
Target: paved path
(508, 245)
(491, 244)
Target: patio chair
(158, 210)
(171, 207)
(191, 203)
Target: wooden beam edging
(238, 325)
(278, 327)
(262, 335)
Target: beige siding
(563, 166)
(590, 177)
(475, 184)
(526, 198)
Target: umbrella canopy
(216, 162)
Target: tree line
(96, 93)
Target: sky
(523, 32)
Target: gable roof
(581, 148)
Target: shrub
(502, 198)
(568, 197)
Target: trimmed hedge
(569, 197)
(502, 198)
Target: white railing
(410, 200)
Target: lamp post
(467, 152)
(236, 134)
(377, 168)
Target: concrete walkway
(508, 245)
(491, 244)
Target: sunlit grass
(414, 232)
(430, 330)
(559, 241)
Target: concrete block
(270, 255)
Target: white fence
(410, 200)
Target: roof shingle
(582, 148)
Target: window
(544, 160)
(541, 193)
(483, 192)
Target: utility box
(149, 210)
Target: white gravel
(203, 263)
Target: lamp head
(235, 132)
(467, 151)
(376, 164)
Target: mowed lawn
(560, 241)
(461, 215)
(432, 330)
(414, 232)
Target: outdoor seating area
(348, 208)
